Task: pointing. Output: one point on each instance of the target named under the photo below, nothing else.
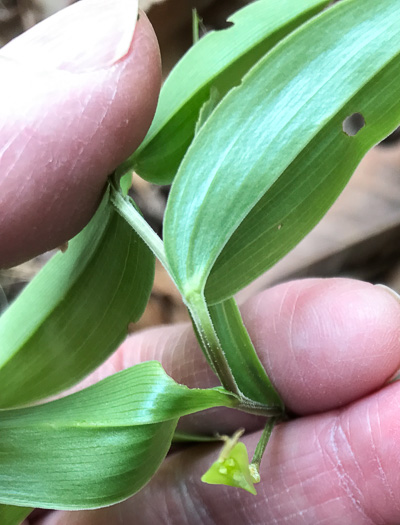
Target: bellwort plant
(249, 133)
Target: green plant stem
(138, 223)
(198, 308)
(210, 343)
(216, 357)
(262, 445)
(195, 25)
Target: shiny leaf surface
(97, 446)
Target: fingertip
(63, 134)
(141, 87)
(325, 343)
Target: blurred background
(359, 237)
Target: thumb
(81, 90)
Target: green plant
(252, 141)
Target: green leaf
(76, 311)
(126, 183)
(273, 157)
(207, 108)
(220, 59)
(98, 446)
(13, 515)
(186, 437)
(242, 358)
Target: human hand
(329, 346)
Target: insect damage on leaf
(232, 466)
(353, 124)
(63, 247)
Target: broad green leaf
(219, 60)
(98, 446)
(13, 515)
(273, 157)
(247, 370)
(76, 311)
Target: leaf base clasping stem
(197, 306)
(217, 359)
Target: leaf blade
(98, 446)
(221, 59)
(70, 317)
(10, 515)
(240, 353)
(267, 123)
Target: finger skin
(326, 343)
(62, 134)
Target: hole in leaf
(352, 124)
